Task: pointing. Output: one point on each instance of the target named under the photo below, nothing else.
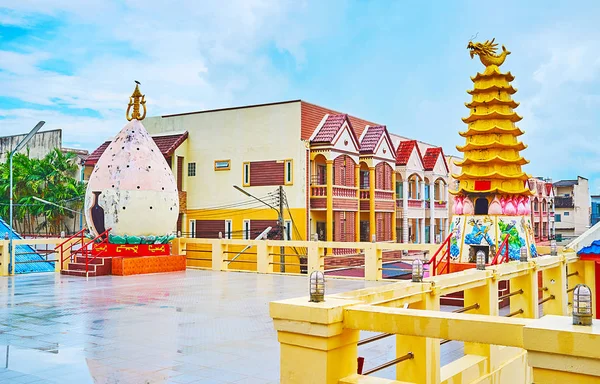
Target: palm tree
(51, 178)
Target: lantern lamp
(582, 305)
(480, 260)
(317, 287)
(553, 248)
(417, 271)
(523, 258)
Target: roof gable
(432, 156)
(312, 114)
(329, 129)
(405, 150)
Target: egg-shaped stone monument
(132, 190)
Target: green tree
(51, 178)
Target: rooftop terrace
(189, 327)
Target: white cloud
(188, 55)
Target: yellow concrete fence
(265, 256)
(6, 256)
(319, 341)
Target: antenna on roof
(473, 37)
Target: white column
(422, 193)
(432, 212)
(422, 231)
(405, 210)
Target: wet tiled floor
(187, 327)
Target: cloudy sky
(399, 63)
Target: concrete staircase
(100, 266)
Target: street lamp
(19, 146)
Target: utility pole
(279, 220)
(283, 233)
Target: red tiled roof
(311, 116)
(431, 156)
(166, 144)
(93, 158)
(548, 189)
(330, 128)
(405, 149)
(371, 138)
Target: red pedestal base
(131, 250)
(125, 266)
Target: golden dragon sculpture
(487, 52)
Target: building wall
(574, 220)
(268, 132)
(595, 212)
(39, 146)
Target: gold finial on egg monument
(135, 100)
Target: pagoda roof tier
(513, 117)
(472, 131)
(493, 159)
(491, 175)
(491, 72)
(494, 101)
(492, 144)
(494, 88)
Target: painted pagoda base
(471, 233)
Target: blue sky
(399, 63)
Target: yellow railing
(264, 256)
(319, 341)
(6, 257)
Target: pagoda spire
(492, 160)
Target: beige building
(572, 207)
(342, 178)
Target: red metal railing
(434, 263)
(504, 258)
(80, 236)
(84, 248)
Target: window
(566, 213)
(289, 177)
(557, 217)
(399, 189)
(228, 226)
(246, 174)
(426, 192)
(288, 230)
(246, 231)
(192, 228)
(364, 179)
(222, 165)
(191, 169)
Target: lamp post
(480, 260)
(582, 305)
(19, 146)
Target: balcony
(564, 202)
(344, 198)
(440, 204)
(384, 195)
(413, 203)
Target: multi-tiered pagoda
(492, 199)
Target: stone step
(77, 273)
